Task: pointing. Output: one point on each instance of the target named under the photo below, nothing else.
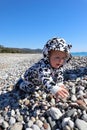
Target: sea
(79, 53)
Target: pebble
(39, 123)
(73, 98)
(30, 123)
(12, 121)
(5, 124)
(65, 121)
(81, 124)
(55, 113)
(16, 126)
(28, 129)
(35, 127)
(84, 117)
(40, 111)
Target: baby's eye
(63, 58)
(57, 58)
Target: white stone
(55, 113)
(65, 121)
(81, 124)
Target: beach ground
(39, 110)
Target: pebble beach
(39, 110)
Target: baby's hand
(62, 93)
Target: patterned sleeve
(49, 81)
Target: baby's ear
(69, 46)
(70, 57)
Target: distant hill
(28, 50)
(18, 50)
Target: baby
(48, 72)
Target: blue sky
(31, 23)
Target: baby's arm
(58, 90)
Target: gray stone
(81, 124)
(28, 129)
(19, 118)
(73, 90)
(55, 113)
(66, 128)
(39, 123)
(16, 126)
(12, 113)
(35, 127)
(52, 123)
(30, 123)
(71, 124)
(70, 112)
(65, 121)
(84, 117)
(5, 124)
(12, 121)
(73, 98)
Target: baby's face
(57, 58)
